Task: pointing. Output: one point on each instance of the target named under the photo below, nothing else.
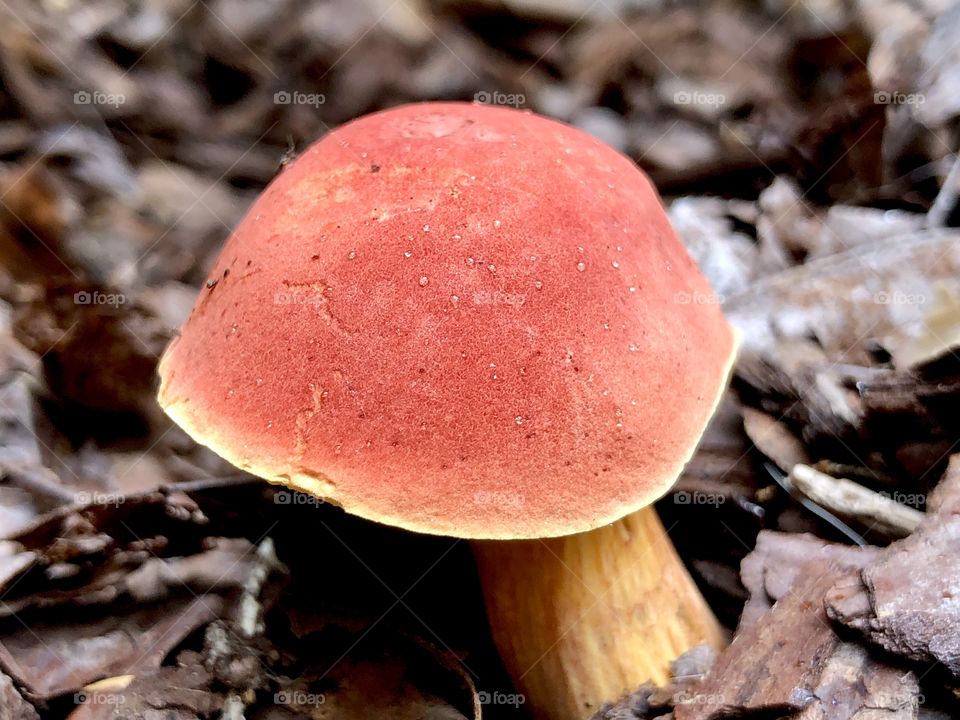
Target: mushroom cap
(456, 319)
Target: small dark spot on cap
(226, 272)
(422, 370)
(374, 167)
(314, 257)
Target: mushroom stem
(580, 620)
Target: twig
(787, 484)
(250, 625)
(850, 499)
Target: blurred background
(784, 136)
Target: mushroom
(474, 321)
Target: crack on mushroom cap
(317, 395)
(318, 297)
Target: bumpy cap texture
(457, 319)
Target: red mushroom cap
(457, 319)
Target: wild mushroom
(473, 321)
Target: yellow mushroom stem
(582, 619)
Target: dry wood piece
(638, 705)
(84, 553)
(49, 660)
(940, 334)
(171, 693)
(796, 383)
(12, 704)
(853, 685)
(912, 416)
(906, 600)
(774, 664)
(774, 439)
(350, 671)
(775, 564)
(787, 658)
(851, 499)
(874, 292)
(649, 701)
(250, 625)
(14, 560)
(945, 497)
